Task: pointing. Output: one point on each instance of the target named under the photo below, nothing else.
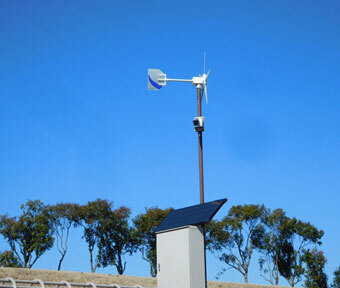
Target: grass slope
(83, 277)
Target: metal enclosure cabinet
(180, 258)
(180, 246)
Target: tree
(29, 235)
(336, 280)
(145, 226)
(8, 259)
(234, 238)
(273, 240)
(290, 261)
(92, 216)
(64, 216)
(315, 276)
(116, 239)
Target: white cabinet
(180, 258)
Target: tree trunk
(153, 268)
(153, 271)
(26, 261)
(91, 261)
(61, 260)
(246, 277)
(120, 266)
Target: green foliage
(29, 235)
(116, 239)
(299, 236)
(272, 243)
(283, 242)
(235, 237)
(315, 276)
(8, 259)
(336, 280)
(106, 231)
(63, 217)
(146, 225)
(91, 217)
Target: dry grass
(83, 277)
(79, 277)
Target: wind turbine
(158, 79)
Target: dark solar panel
(193, 215)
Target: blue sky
(77, 122)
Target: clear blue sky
(78, 123)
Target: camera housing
(199, 124)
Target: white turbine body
(158, 79)
(201, 82)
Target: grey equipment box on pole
(180, 246)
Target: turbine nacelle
(157, 79)
(201, 82)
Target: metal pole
(200, 154)
(200, 144)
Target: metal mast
(200, 144)
(157, 79)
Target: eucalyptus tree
(92, 215)
(274, 239)
(29, 235)
(291, 261)
(234, 238)
(145, 226)
(116, 239)
(64, 216)
(336, 280)
(315, 276)
(8, 259)
(283, 246)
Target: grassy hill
(83, 277)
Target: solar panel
(193, 215)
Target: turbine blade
(208, 73)
(206, 93)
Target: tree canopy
(92, 216)
(287, 247)
(234, 238)
(275, 238)
(63, 217)
(30, 235)
(145, 225)
(116, 238)
(8, 259)
(336, 280)
(315, 276)
(291, 262)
